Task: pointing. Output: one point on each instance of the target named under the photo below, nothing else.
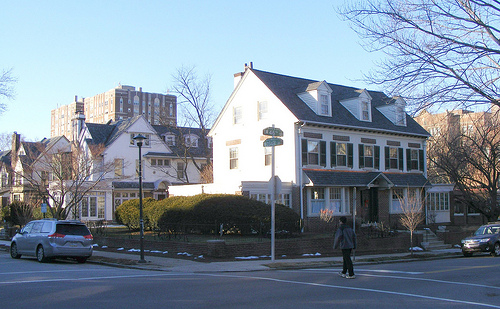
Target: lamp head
(139, 138)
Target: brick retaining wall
(288, 247)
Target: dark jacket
(345, 238)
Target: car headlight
(484, 240)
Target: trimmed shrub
(128, 213)
(204, 213)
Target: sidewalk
(159, 263)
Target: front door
(369, 200)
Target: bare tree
(5, 141)
(197, 111)
(471, 160)
(439, 52)
(7, 81)
(62, 178)
(412, 211)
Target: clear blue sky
(59, 49)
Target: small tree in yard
(412, 211)
(62, 177)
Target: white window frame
(237, 115)
(324, 103)
(233, 158)
(262, 108)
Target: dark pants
(346, 255)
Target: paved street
(458, 282)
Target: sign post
(272, 142)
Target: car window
(37, 227)
(47, 226)
(480, 231)
(72, 229)
(27, 228)
(495, 230)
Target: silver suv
(50, 238)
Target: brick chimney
(16, 144)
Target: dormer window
(400, 116)
(325, 105)
(191, 141)
(318, 97)
(169, 139)
(365, 111)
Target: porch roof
(133, 185)
(364, 179)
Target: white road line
(93, 278)
(368, 270)
(362, 289)
(435, 280)
(261, 278)
(410, 278)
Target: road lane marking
(361, 289)
(92, 278)
(407, 278)
(435, 280)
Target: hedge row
(206, 213)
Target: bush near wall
(205, 213)
(237, 213)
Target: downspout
(299, 125)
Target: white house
(163, 166)
(342, 146)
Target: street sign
(274, 186)
(273, 141)
(272, 131)
(44, 208)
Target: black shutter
(408, 160)
(304, 152)
(387, 159)
(333, 154)
(361, 156)
(350, 155)
(322, 153)
(400, 158)
(376, 164)
(421, 160)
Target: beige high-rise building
(60, 118)
(121, 102)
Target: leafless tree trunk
(63, 178)
(439, 52)
(471, 160)
(196, 111)
(413, 211)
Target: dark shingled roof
(132, 185)
(199, 151)
(362, 179)
(287, 88)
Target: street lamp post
(139, 139)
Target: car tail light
(57, 235)
(89, 236)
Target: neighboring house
(6, 175)
(113, 145)
(443, 206)
(29, 165)
(344, 149)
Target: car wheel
(496, 249)
(81, 260)
(467, 254)
(13, 251)
(40, 254)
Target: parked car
(485, 239)
(49, 238)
